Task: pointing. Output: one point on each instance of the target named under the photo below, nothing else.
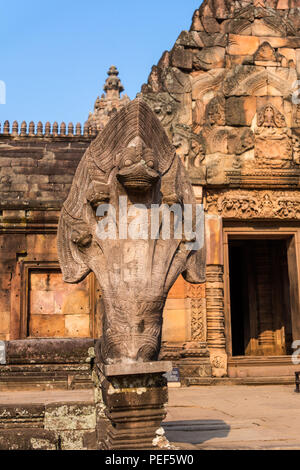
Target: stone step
(48, 421)
(284, 380)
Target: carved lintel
(242, 204)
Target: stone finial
(55, 129)
(78, 129)
(113, 86)
(31, 129)
(23, 129)
(15, 128)
(86, 128)
(70, 129)
(6, 127)
(47, 129)
(97, 104)
(94, 129)
(63, 129)
(39, 129)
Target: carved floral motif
(219, 362)
(196, 294)
(198, 323)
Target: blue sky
(54, 54)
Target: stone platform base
(262, 368)
(124, 411)
(70, 425)
(134, 396)
(47, 364)
(66, 364)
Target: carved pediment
(257, 81)
(227, 140)
(265, 52)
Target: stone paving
(212, 417)
(234, 417)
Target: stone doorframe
(256, 231)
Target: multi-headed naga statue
(131, 165)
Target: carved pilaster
(197, 304)
(216, 319)
(194, 361)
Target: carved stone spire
(110, 102)
(113, 86)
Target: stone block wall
(36, 172)
(55, 426)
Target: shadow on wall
(195, 431)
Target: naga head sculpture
(137, 167)
(130, 169)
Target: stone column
(215, 296)
(134, 397)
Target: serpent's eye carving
(82, 240)
(150, 159)
(126, 158)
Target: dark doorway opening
(260, 298)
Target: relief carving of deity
(273, 139)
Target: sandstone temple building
(227, 96)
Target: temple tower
(110, 102)
(227, 95)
